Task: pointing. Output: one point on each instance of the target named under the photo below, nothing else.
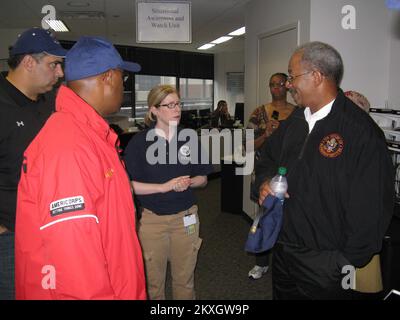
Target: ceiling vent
(83, 15)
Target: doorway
(274, 51)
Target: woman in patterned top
(264, 120)
(358, 99)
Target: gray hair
(324, 58)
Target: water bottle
(279, 186)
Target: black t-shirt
(140, 158)
(20, 120)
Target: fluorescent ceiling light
(83, 15)
(221, 39)
(57, 25)
(206, 46)
(238, 32)
(78, 4)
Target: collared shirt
(341, 186)
(312, 118)
(20, 120)
(75, 211)
(152, 159)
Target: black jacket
(20, 121)
(341, 181)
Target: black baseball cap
(37, 40)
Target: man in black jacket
(341, 182)
(26, 101)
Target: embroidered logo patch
(67, 205)
(331, 146)
(109, 173)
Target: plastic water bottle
(279, 184)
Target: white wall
(394, 62)
(264, 16)
(365, 50)
(225, 62)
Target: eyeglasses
(277, 85)
(125, 77)
(291, 78)
(171, 105)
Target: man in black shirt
(341, 182)
(26, 101)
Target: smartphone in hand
(275, 115)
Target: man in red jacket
(75, 228)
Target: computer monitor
(204, 113)
(189, 119)
(227, 123)
(239, 112)
(204, 117)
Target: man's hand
(265, 190)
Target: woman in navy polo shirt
(163, 171)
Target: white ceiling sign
(163, 22)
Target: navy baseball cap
(91, 56)
(37, 40)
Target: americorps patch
(65, 205)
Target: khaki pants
(164, 238)
(369, 277)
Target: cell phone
(275, 115)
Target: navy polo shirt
(139, 155)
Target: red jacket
(75, 228)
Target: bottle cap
(282, 171)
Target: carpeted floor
(223, 264)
